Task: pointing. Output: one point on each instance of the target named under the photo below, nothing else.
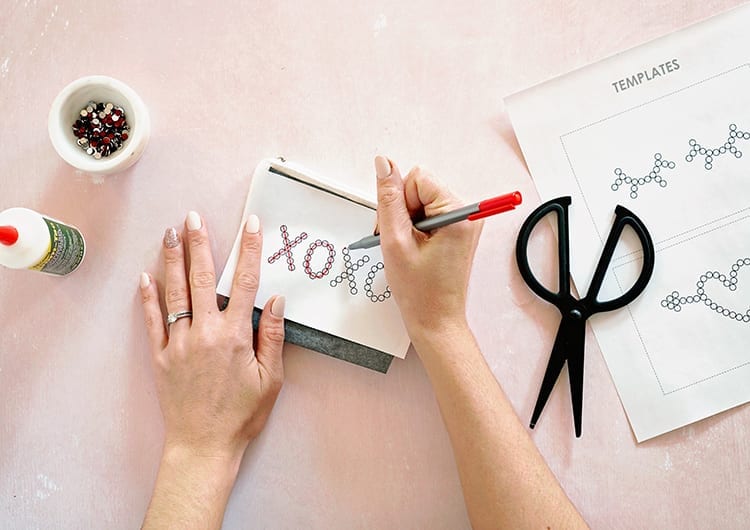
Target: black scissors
(569, 342)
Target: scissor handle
(623, 217)
(559, 206)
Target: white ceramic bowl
(65, 111)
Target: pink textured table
(327, 84)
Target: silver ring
(174, 317)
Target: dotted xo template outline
(709, 154)
(651, 176)
(637, 329)
(639, 257)
(349, 267)
(696, 150)
(349, 270)
(674, 301)
(286, 248)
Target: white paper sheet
(310, 270)
(674, 113)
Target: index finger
(423, 191)
(393, 218)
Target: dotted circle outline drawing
(587, 202)
(349, 270)
(287, 247)
(651, 176)
(382, 297)
(329, 260)
(709, 154)
(674, 301)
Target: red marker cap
(496, 205)
(512, 199)
(8, 235)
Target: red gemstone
(93, 143)
(106, 140)
(124, 136)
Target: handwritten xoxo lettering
(350, 267)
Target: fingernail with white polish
(193, 220)
(278, 305)
(171, 238)
(253, 224)
(382, 167)
(145, 280)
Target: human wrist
(437, 335)
(218, 466)
(192, 487)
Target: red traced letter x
(286, 249)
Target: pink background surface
(329, 85)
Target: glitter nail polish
(171, 237)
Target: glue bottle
(29, 240)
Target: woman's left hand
(215, 389)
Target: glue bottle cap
(8, 235)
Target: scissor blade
(577, 337)
(554, 367)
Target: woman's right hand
(428, 273)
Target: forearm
(191, 490)
(505, 481)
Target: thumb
(393, 217)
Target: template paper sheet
(663, 129)
(305, 232)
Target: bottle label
(65, 252)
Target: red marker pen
(472, 212)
